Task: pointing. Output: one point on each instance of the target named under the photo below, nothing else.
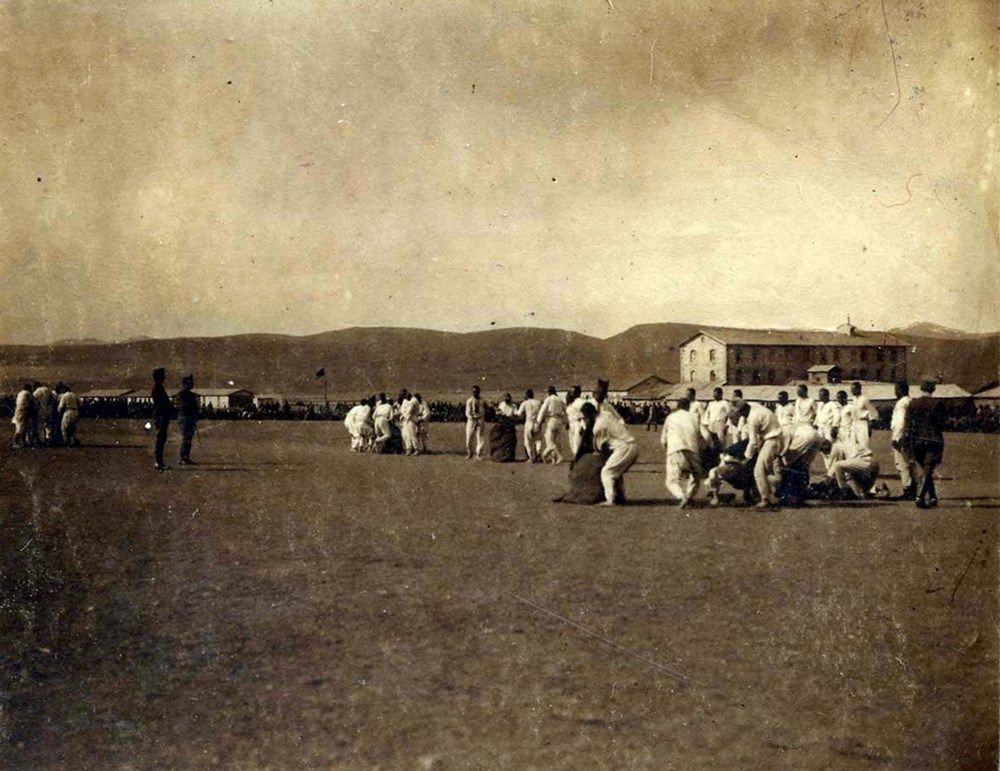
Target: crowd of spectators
(962, 415)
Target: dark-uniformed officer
(188, 412)
(163, 413)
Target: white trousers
(383, 430)
(859, 429)
(858, 474)
(905, 467)
(684, 472)
(474, 430)
(621, 460)
(768, 466)
(532, 441)
(553, 432)
(422, 436)
(409, 432)
(575, 436)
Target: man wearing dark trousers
(187, 417)
(923, 441)
(163, 413)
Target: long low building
(223, 398)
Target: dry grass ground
(288, 603)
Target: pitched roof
(989, 393)
(218, 391)
(734, 336)
(822, 368)
(648, 383)
(107, 393)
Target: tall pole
(326, 400)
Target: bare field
(289, 603)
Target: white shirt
(382, 410)
(785, 413)
(474, 408)
(529, 409)
(805, 410)
(717, 413)
(799, 442)
(68, 402)
(351, 419)
(364, 414)
(827, 414)
(507, 409)
(899, 417)
(43, 395)
(552, 407)
(606, 408)
(409, 409)
(574, 410)
(846, 416)
(849, 450)
(863, 409)
(425, 411)
(612, 432)
(762, 424)
(681, 432)
(697, 409)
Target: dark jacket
(163, 408)
(188, 405)
(924, 424)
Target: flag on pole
(321, 372)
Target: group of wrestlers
(45, 417)
(379, 424)
(764, 453)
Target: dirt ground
(289, 603)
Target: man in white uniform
(784, 410)
(904, 464)
(365, 424)
(351, 424)
(409, 412)
(423, 420)
(682, 439)
(574, 416)
(552, 418)
(24, 411)
(46, 402)
(528, 410)
(69, 408)
(865, 415)
(610, 432)
(800, 443)
(805, 408)
(717, 416)
(854, 467)
(764, 441)
(697, 410)
(475, 425)
(845, 429)
(382, 415)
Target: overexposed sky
(225, 167)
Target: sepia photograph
(499, 384)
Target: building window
(754, 354)
(756, 376)
(739, 354)
(770, 375)
(879, 354)
(892, 374)
(739, 375)
(788, 374)
(892, 354)
(692, 356)
(711, 356)
(692, 375)
(711, 375)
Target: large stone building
(753, 356)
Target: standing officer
(163, 413)
(187, 417)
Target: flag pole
(326, 400)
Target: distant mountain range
(365, 359)
(927, 329)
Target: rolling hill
(368, 359)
